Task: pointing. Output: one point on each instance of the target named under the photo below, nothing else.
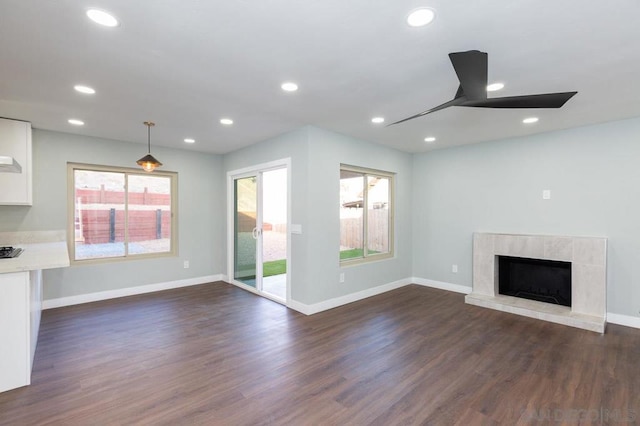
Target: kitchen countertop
(44, 254)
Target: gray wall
(294, 145)
(594, 178)
(327, 151)
(442, 197)
(201, 218)
(316, 156)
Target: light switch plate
(546, 194)
(296, 228)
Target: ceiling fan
(471, 68)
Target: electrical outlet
(186, 264)
(454, 269)
(546, 194)
(341, 277)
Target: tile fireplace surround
(588, 257)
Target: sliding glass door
(274, 233)
(260, 230)
(246, 230)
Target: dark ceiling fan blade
(471, 68)
(547, 100)
(454, 102)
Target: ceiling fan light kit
(471, 68)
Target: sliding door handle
(256, 233)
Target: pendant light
(148, 162)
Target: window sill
(365, 260)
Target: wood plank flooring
(214, 354)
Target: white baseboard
(625, 320)
(442, 285)
(619, 319)
(129, 291)
(349, 298)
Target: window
(366, 214)
(117, 213)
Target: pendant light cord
(149, 124)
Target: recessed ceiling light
(421, 17)
(430, 139)
(226, 121)
(84, 89)
(75, 122)
(495, 86)
(189, 140)
(530, 120)
(289, 86)
(377, 120)
(103, 18)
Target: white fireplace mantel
(588, 257)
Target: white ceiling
(187, 63)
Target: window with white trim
(117, 213)
(366, 214)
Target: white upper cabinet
(15, 163)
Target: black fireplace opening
(535, 279)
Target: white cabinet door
(15, 141)
(15, 357)
(35, 308)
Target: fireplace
(572, 291)
(546, 281)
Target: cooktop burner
(9, 252)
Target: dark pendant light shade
(148, 162)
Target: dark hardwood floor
(214, 354)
